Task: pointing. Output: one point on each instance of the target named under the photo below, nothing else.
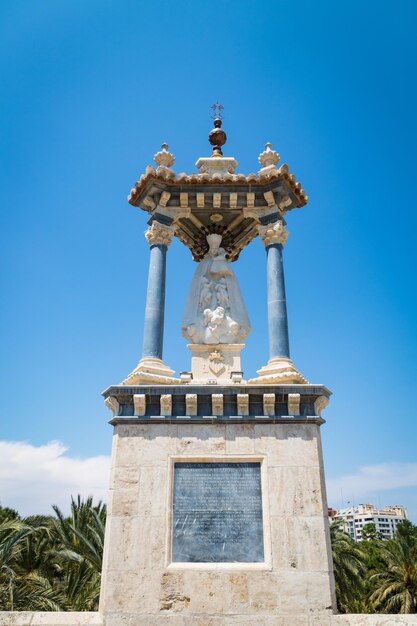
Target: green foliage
(348, 567)
(6, 513)
(395, 585)
(12, 536)
(370, 533)
(52, 563)
(376, 576)
(81, 539)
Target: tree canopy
(52, 563)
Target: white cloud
(32, 478)
(370, 480)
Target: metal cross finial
(217, 111)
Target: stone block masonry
(140, 579)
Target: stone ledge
(216, 419)
(34, 618)
(50, 618)
(308, 389)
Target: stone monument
(217, 509)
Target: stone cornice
(170, 179)
(238, 403)
(309, 389)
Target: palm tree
(52, 564)
(349, 568)
(396, 582)
(79, 557)
(38, 581)
(24, 584)
(12, 534)
(8, 513)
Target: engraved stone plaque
(217, 513)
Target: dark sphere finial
(217, 136)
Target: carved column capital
(159, 234)
(273, 233)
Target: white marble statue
(214, 311)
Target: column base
(278, 371)
(149, 371)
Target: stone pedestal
(216, 165)
(289, 580)
(219, 364)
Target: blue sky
(89, 91)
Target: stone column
(280, 368)
(274, 237)
(159, 237)
(151, 368)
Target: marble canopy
(232, 205)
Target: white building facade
(386, 520)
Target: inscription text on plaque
(217, 513)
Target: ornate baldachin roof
(216, 200)
(169, 177)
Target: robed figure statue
(214, 312)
